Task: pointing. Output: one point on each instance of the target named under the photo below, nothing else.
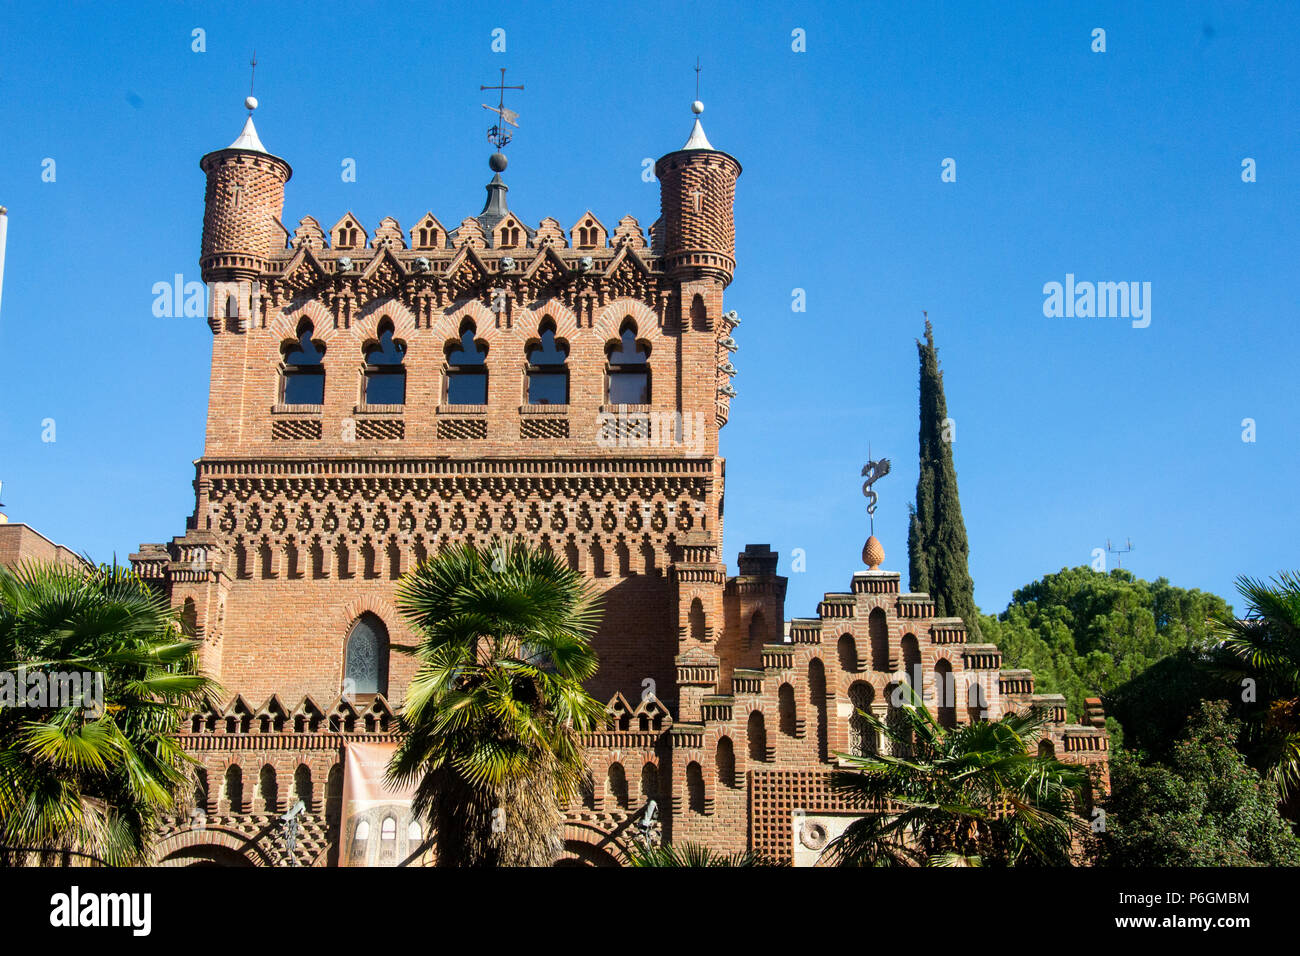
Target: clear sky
(1117, 166)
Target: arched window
(649, 782)
(912, 663)
(302, 787)
(726, 762)
(365, 668)
(862, 738)
(757, 629)
(467, 380)
(695, 787)
(757, 733)
(388, 829)
(945, 693)
(698, 632)
(1046, 749)
(235, 788)
(363, 830)
(878, 630)
(269, 790)
(817, 700)
(847, 649)
(616, 785)
(629, 371)
(303, 378)
(385, 374)
(414, 834)
(788, 719)
(548, 377)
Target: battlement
(429, 237)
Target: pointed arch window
(548, 375)
(302, 381)
(467, 378)
(628, 372)
(385, 374)
(365, 665)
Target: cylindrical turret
(697, 190)
(244, 200)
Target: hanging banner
(378, 828)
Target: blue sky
(1115, 166)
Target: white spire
(698, 140)
(248, 135)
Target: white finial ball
(697, 107)
(250, 103)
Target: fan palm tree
(493, 713)
(1267, 642)
(974, 795)
(91, 777)
(691, 855)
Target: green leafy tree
(937, 548)
(974, 795)
(1203, 806)
(1267, 642)
(92, 778)
(1086, 633)
(493, 713)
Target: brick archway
(211, 847)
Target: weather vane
(250, 103)
(497, 135)
(873, 471)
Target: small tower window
(467, 382)
(365, 665)
(548, 377)
(303, 379)
(629, 373)
(385, 374)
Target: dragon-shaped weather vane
(873, 471)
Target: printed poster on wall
(378, 828)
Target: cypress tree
(938, 552)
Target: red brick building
(377, 396)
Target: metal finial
(250, 101)
(497, 135)
(697, 107)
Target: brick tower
(377, 397)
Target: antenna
(1128, 546)
(697, 77)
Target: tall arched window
(757, 629)
(467, 378)
(878, 630)
(817, 700)
(945, 693)
(726, 762)
(303, 378)
(789, 719)
(616, 785)
(695, 787)
(269, 789)
(862, 738)
(649, 782)
(365, 667)
(847, 650)
(912, 663)
(385, 374)
(697, 622)
(757, 733)
(548, 377)
(629, 371)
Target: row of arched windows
(627, 368)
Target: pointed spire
(697, 139)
